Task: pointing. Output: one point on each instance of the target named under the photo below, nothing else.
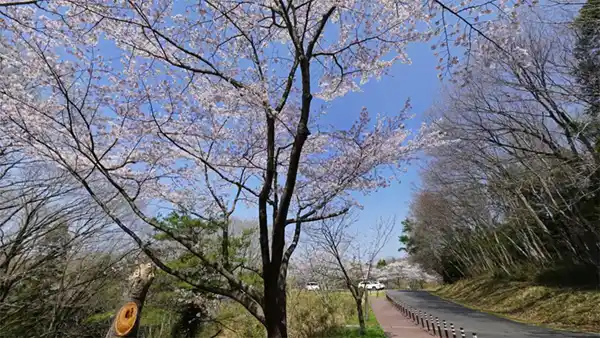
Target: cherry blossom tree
(205, 106)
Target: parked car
(371, 285)
(312, 286)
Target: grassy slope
(521, 301)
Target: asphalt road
(485, 325)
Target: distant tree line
(516, 190)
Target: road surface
(485, 325)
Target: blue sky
(418, 81)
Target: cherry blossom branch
(264, 195)
(306, 217)
(290, 250)
(469, 24)
(201, 159)
(91, 156)
(18, 3)
(255, 57)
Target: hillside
(558, 308)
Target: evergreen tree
(406, 241)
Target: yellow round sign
(125, 320)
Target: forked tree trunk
(127, 320)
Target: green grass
(374, 330)
(559, 308)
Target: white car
(371, 285)
(312, 286)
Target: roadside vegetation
(559, 308)
(508, 210)
(312, 314)
(515, 192)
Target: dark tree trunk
(361, 317)
(275, 306)
(275, 268)
(276, 325)
(366, 312)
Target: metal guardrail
(429, 323)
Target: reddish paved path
(393, 323)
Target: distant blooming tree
(349, 257)
(203, 106)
